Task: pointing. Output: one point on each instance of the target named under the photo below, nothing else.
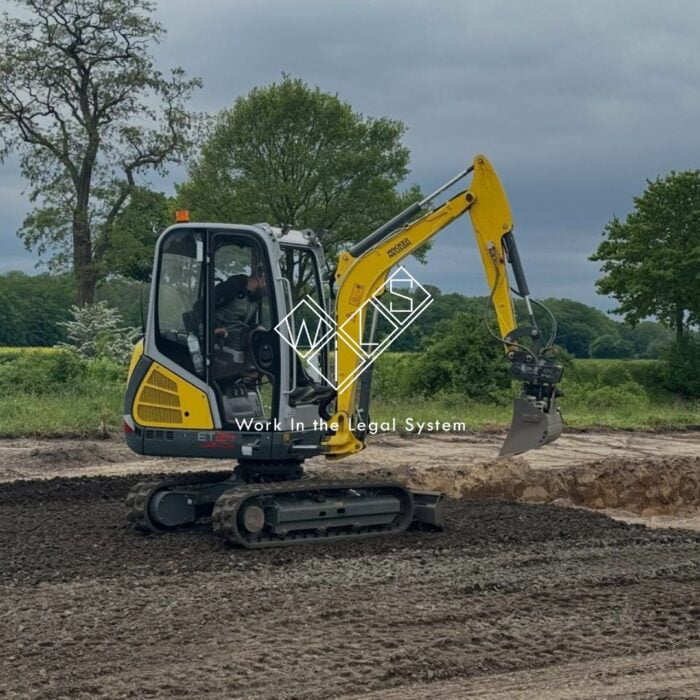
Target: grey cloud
(575, 103)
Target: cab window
(299, 266)
(179, 302)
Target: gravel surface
(89, 608)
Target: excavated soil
(514, 599)
(646, 477)
(658, 486)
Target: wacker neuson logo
(308, 328)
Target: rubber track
(140, 495)
(137, 504)
(225, 514)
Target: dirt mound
(651, 487)
(505, 478)
(32, 459)
(67, 454)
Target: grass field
(65, 399)
(483, 416)
(612, 394)
(62, 415)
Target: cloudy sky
(576, 104)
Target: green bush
(612, 347)
(32, 308)
(10, 354)
(681, 373)
(56, 372)
(392, 375)
(647, 373)
(41, 373)
(614, 374)
(462, 359)
(104, 371)
(626, 395)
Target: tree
(83, 104)
(128, 297)
(611, 347)
(32, 307)
(651, 260)
(681, 370)
(462, 358)
(649, 338)
(578, 325)
(97, 330)
(292, 154)
(443, 307)
(134, 234)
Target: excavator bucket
(531, 427)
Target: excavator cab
(218, 374)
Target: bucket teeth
(531, 427)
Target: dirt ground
(515, 599)
(650, 478)
(45, 459)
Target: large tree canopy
(134, 234)
(82, 102)
(578, 325)
(292, 154)
(651, 260)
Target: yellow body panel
(136, 354)
(358, 278)
(165, 400)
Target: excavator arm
(363, 270)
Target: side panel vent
(161, 381)
(158, 402)
(160, 398)
(156, 414)
(159, 435)
(166, 400)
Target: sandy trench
(650, 478)
(515, 599)
(37, 459)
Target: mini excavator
(229, 368)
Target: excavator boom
(362, 271)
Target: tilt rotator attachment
(536, 418)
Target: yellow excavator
(256, 349)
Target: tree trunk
(680, 316)
(83, 265)
(84, 270)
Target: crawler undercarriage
(271, 505)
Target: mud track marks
(90, 608)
